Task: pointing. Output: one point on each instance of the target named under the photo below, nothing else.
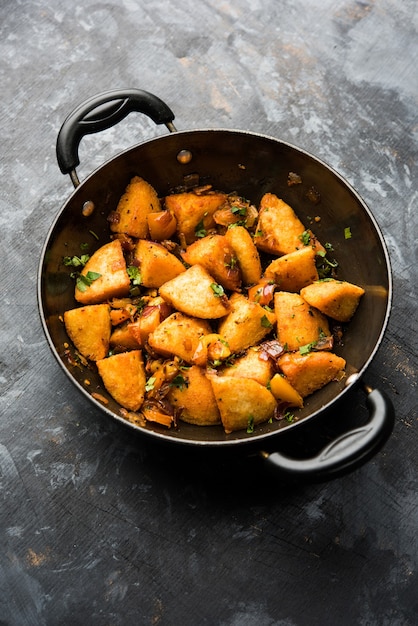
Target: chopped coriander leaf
(91, 276)
(84, 281)
(76, 261)
(307, 348)
(239, 210)
(305, 237)
(324, 265)
(289, 417)
(140, 305)
(179, 381)
(200, 230)
(250, 425)
(218, 290)
(84, 246)
(134, 274)
(265, 322)
(347, 233)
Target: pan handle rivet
(88, 208)
(184, 156)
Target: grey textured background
(98, 528)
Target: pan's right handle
(104, 111)
(348, 451)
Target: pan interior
(251, 165)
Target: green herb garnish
(76, 261)
(324, 265)
(265, 322)
(347, 233)
(303, 350)
(239, 210)
(179, 381)
(134, 274)
(305, 237)
(250, 424)
(218, 290)
(200, 230)
(85, 280)
(289, 417)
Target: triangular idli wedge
(89, 328)
(309, 372)
(196, 293)
(242, 402)
(337, 299)
(123, 376)
(104, 276)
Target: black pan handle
(104, 111)
(346, 453)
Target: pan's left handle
(347, 452)
(104, 111)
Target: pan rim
(254, 438)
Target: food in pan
(205, 309)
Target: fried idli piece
(250, 365)
(104, 276)
(89, 328)
(124, 377)
(310, 372)
(298, 323)
(338, 299)
(246, 325)
(196, 293)
(293, 271)
(242, 402)
(156, 264)
(178, 335)
(194, 212)
(246, 252)
(192, 396)
(130, 217)
(217, 256)
(279, 230)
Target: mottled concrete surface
(99, 527)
